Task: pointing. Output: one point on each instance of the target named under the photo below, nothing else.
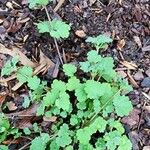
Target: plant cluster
(53, 27)
(83, 105)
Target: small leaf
(56, 27)
(83, 135)
(39, 143)
(24, 73)
(9, 66)
(34, 3)
(26, 131)
(26, 102)
(63, 101)
(123, 105)
(33, 82)
(3, 147)
(63, 138)
(43, 26)
(93, 89)
(73, 84)
(69, 69)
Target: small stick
(59, 5)
(55, 41)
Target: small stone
(138, 76)
(148, 72)
(146, 148)
(146, 82)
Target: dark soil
(127, 21)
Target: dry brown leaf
(147, 108)
(133, 118)
(121, 44)
(11, 106)
(80, 33)
(16, 52)
(31, 111)
(129, 65)
(25, 123)
(122, 73)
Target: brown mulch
(127, 21)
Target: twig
(95, 116)
(59, 5)
(58, 51)
(139, 123)
(24, 146)
(55, 41)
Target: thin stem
(95, 116)
(58, 51)
(55, 41)
(48, 16)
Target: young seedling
(56, 28)
(100, 41)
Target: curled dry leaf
(25, 122)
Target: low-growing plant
(9, 66)
(6, 129)
(100, 41)
(56, 28)
(83, 106)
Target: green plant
(9, 66)
(82, 105)
(37, 3)
(95, 99)
(100, 41)
(5, 128)
(56, 28)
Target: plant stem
(95, 116)
(55, 41)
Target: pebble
(138, 76)
(146, 148)
(148, 72)
(146, 82)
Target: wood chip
(11, 106)
(133, 82)
(80, 33)
(137, 40)
(146, 48)
(50, 119)
(16, 52)
(121, 44)
(129, 65)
